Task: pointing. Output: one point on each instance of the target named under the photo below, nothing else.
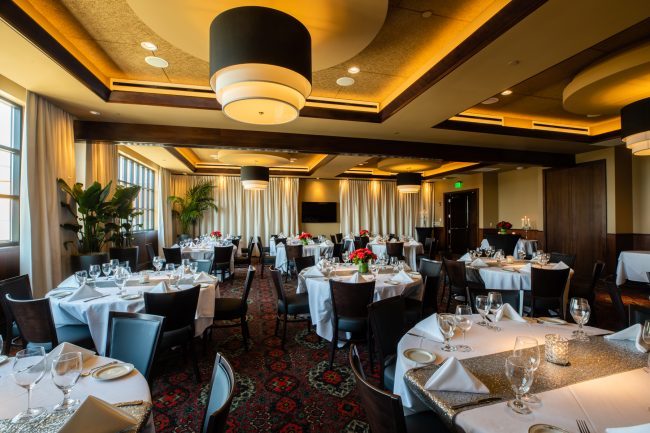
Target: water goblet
(106, 269)
(122, 275)
(194, 267)
(447, 325)
(464, 323)
(528, 348)
(482, 304)
(94, 271)
(81, 277)
(115, 263)
(185, 263)
(28, 368)
(580, 311)
(496, 301)
(520, 375)
(169, 267)
(521, 254)
(65, 371)
(157, 264)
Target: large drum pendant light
(260, 64)
(409, 183)
(635, 126)
(254, 177)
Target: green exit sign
(458, 184)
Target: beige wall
(12, 91)
(521, 193)
(487, 197)
(641, 194)
(319, 190)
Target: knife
(96, 297)
(476, 402)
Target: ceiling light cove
(157, 62)
(149, 46)
(354, 70)
(345, 81)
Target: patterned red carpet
(277, 390)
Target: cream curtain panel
(101, 164)
(242, 212)
(165, 228)
(379, 207)
(48, 154)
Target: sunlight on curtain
(101, 164)
(163, 184)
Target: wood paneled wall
(9, 262)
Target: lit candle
(523, 221)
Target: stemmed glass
(521, 254)
(81, 277)
(580, 311)
(496, 301)
(374, 269)
(464, 323)
(483, 307)
(194, 267)
(169, 267)
(94, 271)
(65, 371)
(122, 275)
(157, 264)
(114, 265)
(27, 370)
(185, 263)
(543, 259)
(528, 348)
(447, 325)
(645, 334)
(106, 269)
(346, 258)
(520, 375)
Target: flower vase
(503, 231)
(363, 267)
(304, 241)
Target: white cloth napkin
(97, 416)
(354, 278)
(465, 258)
(633, 333)
(402, 277)
(478, 263)
(84, 292)
(452, 376)
(429, 328)
(313, 272)
(203, 277)
(641, 428)
(560, 265)
(526, 269)
(507, 312)
(161, 287)
(67, 348)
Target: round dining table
(315, 249)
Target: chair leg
(195, 362)
(335, 340)
(371, 349)
(277, 324)
(284, 330)
(262, 268)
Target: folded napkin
(526, 269)
(355, 278)
(478, 263)
(161, 287)
(465, 258)
(174, 246)
(641, 428)
(327, 243)
(67, 348)
(633, 333)
(98, 416)
(402, 277)
(507, 312)
(392, 240)
(203, 277)
(452, 376)
(429, 328)
(559, 266)
(313, 272)
(84, 292)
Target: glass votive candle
(510, 259)
(557, 349)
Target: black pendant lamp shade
(260, 64)
(409, 183)
(635, 126)
(255, 177)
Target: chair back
(511, 297)
(248, 283)
(235, 241)
(351, 299)
(391, 236)
(178, 308)
(337, 251)
(456, 273)
(222, 255)
(172, 255)
(430, 271)
(203, 265)
(387, 322)
(293, 251)
(18, 288)
(250, 247)
(220, 393)
(506, 242)
(150, 252)
(383, 409)
(304, 262)
(339, 238)
(34, 319)
(567, 259)
(547, 288)
(129, 254)
(133, 338)
(333, 239)
(361, 241)
(617, 301)
(638, 314)
(276, 276)
(431, 249)
(395, 249)
(279, 241)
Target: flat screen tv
(318, 212)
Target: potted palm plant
(91, 212)
(122, 225)
(189, 209)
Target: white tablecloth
(483, 341)
(316, 250)
(13, 399)
(528, 245)
(320, 302)
(95, 313)
(633, 265)
(411, 250)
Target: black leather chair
(387, 324)
(339, 238)
(511, 297)
(395, 249)
(221, 261)
(179, 311)
(333, 239)
(231, 309)
(547, 291)
(266, 259)
(588, 292)
(220, 393)
(126, 255)
(151, 253)
(430, 248)
(361, 242)
(246, 258)
(567, 259)
(293, 304)
(183, 237)
(337, 251)
(430, 271)
(506, 242)
(459, 286)
(18, 288)
(173, 255)
(304, 262)
(614, 292)
(638, 314)
(293, 252)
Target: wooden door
(461, 212)
(575, 214)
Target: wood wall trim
(332, 145)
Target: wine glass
(521, 254)
(464, 323)
(65, 371)
(169, 267)
(645, 334)
(174, 277)
(122, 275)
(106, 269)
(81, 277)
(94, 271)
(447, 325)
(28, 368)
(346, 258)
(496, 301)
(374, 269)
(185, 263)
(528, 348)
(194, 267)
(482, 305)
(580, 311)
(520, 375)
(543, 259)
(157, 264)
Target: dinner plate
(3, 359)
(545, 428)
(414, 274)
(552, 320)
(420, 356)
(130, 297)
(113, 371)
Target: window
(132, 173)
(10, 133)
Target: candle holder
(557, 349)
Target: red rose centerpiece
(215, 234)
(361, 257)
(503, 227)
(364, 232)
(304, 237)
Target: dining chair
(430, 246)
(279, 241)
(337, 251)
(350, 313)
(384, 409)
(430, 271)
(232, 309)
(567, 259)
(293, 304)
(126, 255)
(203, 265)
(18, 288)
(36, 325)
(266, 259)
(304, 262)
(392, 236)
(133, 338)
(386, 319)
(293, 252)
(622, 318)
(588, 292)
(245, 260)
(361, 242)
(221, 261)
(173, 255)
(505, 242)
(151, 253)
(339, 238)
(179, 310)
(512, 297)
(547, 291)
(456, 275)
(638, 314)
(220, 394)
(395, 249)
(235, 241)
(333, 238)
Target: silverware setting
(96, 297)
(476, 402)
(94, 369)
(582, 426)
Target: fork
(582, 426)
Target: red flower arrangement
(363, 232)
(216, 234)
(362, 255)
(502, 226)
(304, 237)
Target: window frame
(143, 176)
(17, 129)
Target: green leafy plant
(92, 213)
(123, 214)
(189, 209)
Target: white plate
(420, 356)
(414, 274)
(113, 371)
(3, 359)
(545, 428)
(552, 320)
(130, 297)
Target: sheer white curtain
(101, 164)
(165, 230)
(48, 154)
(243, 212)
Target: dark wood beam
(176, 154)
(456, 171)
(284, 142)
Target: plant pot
(82, 262)
(363, 267)
(129, 254)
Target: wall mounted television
(319, 212)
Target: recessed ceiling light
(150, 46)
(489, 101)
(520, 168)
(157, 62)
(292, 159)
(427, 14)
(345, 81)
(593, 115)
(506, 92)
(95, 113)
(354, 70)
